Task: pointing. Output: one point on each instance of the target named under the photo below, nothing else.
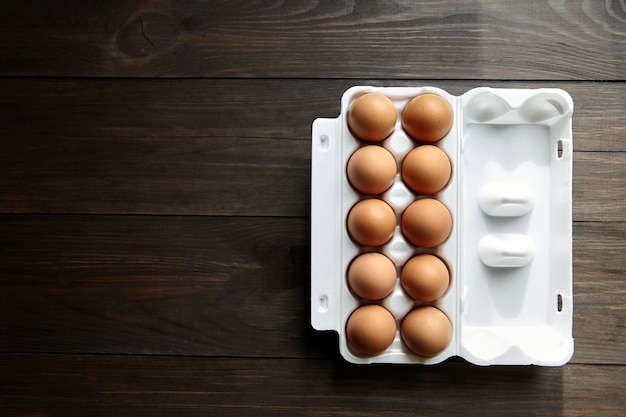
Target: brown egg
(371, 222)
(372, 276)
(370, 330)
(425, 277)
(372, 117)
(371, 169)
(426, 169)
(426, 222)
(426, 330)
(427, 118)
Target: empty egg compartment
(509, 249)
(516, 181)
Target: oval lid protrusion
(506, 199)
(506, 250)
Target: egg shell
(425, 277)
(372, 276)
(371, 169)
(426, 331)
(370, 330)
(371, 222)
(372, 117)
(426, 169)
(427, 118)
(427, 222)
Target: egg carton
(510, 249)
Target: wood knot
(146, 33)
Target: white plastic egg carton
(510, 249)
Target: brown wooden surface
(154, 201)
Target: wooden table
(154, 201)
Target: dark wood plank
(219, 286)
(169, 108)
(183, 175)
(106, 108)
(214, 176)
(599, 185)
(456, 40)
(599, 287)
(189, 147)
(192, 386)
(175, 285)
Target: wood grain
(599, 185)
(175, 285)
(215, 286)
(599, 290)
(456, 40)
(208, 176)
(189, 386)
(214, 176)
(154, 201)
(188, 147)
(102, 109)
